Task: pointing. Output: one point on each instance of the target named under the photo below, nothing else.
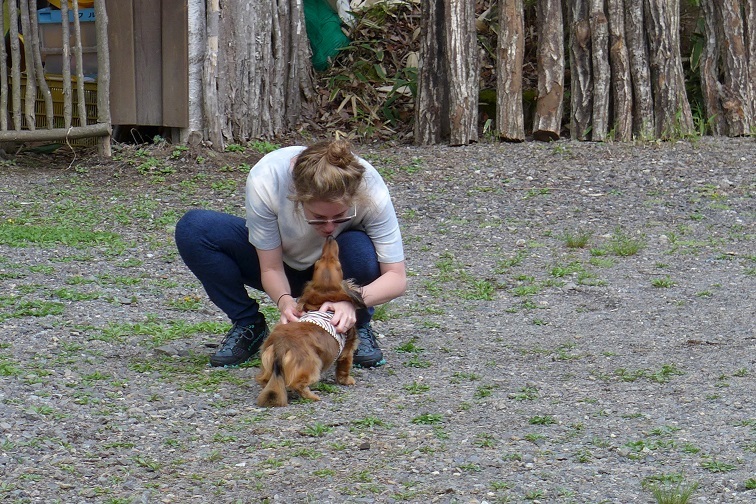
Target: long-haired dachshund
(295, 354)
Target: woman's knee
(189, 227)
(358, 257)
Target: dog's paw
(345, 381)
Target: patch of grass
(263, 147)
(662, 282)
(410, 347)
(669, 488)
(157, 332)
(369, 422)
(428, 419)
(577, 239)
(416, 388)
(715, 466)
(623, 245)
(416, 362)
(527, 393)
(505, 265)
(484, 391)
(14, 307)
(317, 429)
(542, 420)
(186, 303)
(663, 375)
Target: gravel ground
(579, 327)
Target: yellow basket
(55, 83)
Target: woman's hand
(288, 308)
(344, 314)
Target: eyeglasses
(338, 220)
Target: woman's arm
(276, 284)
(390, 285)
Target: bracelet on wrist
(282, 295)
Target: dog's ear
(351, 290)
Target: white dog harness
(323, 320)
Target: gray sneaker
(239, 345)
(368, 353)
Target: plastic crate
(51, 40)
(55, 83)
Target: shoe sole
(364, 366)
(232, 366)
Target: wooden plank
(148, 67)
(123, 94)
(175, 51)
(50, 135)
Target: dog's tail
(274, 392)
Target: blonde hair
(327, 171)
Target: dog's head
(328, 272)
(328, 282)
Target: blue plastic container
(49, 15)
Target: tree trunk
(511, 48)
(750, 32)
(671, 107)
(447, 93)
(711, 89)
(548, 117)
(464, 68)
(737, 100)
(637, 51)
(581, 78)
(257, 72)
(601, 70)
(622, 93)
(432, 101)
(197, 32)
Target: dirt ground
(579, 328)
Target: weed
(505, 264)
(381, 313)
(150, 465)
(484, 391)
(369, 422)
(235, 148)
(534, 437)
(459, 376)
(583, 455)
(578, 239)
(413, 388)
(679, 494)
(263, 147)
(663, 282)
(410, 347)
(525, 394)
(485, 440)
(416, 362)
(716, 466)
(317, 430)
(542, 420)
(428, 419)
(623, 245)
(533, 495)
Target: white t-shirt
(273, 219)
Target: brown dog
(295, 354)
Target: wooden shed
(149, 62)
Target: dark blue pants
(215, 246)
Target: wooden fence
(620, 60)
(39, 106)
